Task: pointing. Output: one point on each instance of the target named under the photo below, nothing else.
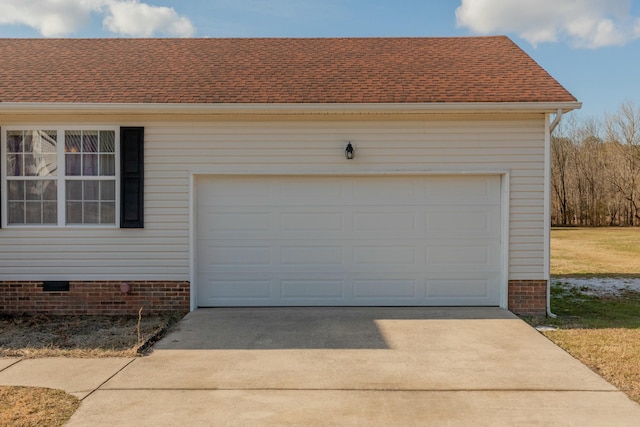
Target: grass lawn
(614, 353)
(610, 251)
(602, 331)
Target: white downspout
(547, 208)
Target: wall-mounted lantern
(349, 151)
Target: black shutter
(131, 177)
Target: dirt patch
(81, 335)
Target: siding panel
(176, 148)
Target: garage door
(348, 240)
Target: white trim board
(50, 108)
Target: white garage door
(348, 240)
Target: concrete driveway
(355, 366)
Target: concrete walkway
(338, 366)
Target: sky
(592, 47)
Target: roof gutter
(283, 109)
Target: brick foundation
(97, 297)
(528, 297)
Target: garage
(415, 240)
(236, 188)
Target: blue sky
(591, 46)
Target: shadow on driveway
(304, 328)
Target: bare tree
(595, 175)
(623, 130)
(561, 148)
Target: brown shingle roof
(348, 70)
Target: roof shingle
(333, 70)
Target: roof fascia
(284, 109)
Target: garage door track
(355, 366)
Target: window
(90, 171)
(60, 177)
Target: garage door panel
(236, 289)
(460, 253)
(471, 222)
(223, 256)
(212, 190)
(461, 190)
(295, 192)
(386, 255)
(314, 240)
(233, 223)
(401, 190)
(312, 221)
(311, 255)
(452, 255)
(382, 290)
(396, 222)
(315, 289)
(459, 288)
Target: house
(172, 174)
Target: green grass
(577, 309)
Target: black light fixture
(349, 151)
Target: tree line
(595, 170)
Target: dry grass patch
(34, 406)
(81, 336)
(68, 336)
(612, 353)
(610, 251)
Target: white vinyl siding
(176, 148)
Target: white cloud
(58, 18)
(50, 18)
(132, 18)
(584, 23)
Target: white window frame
(61, 177)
